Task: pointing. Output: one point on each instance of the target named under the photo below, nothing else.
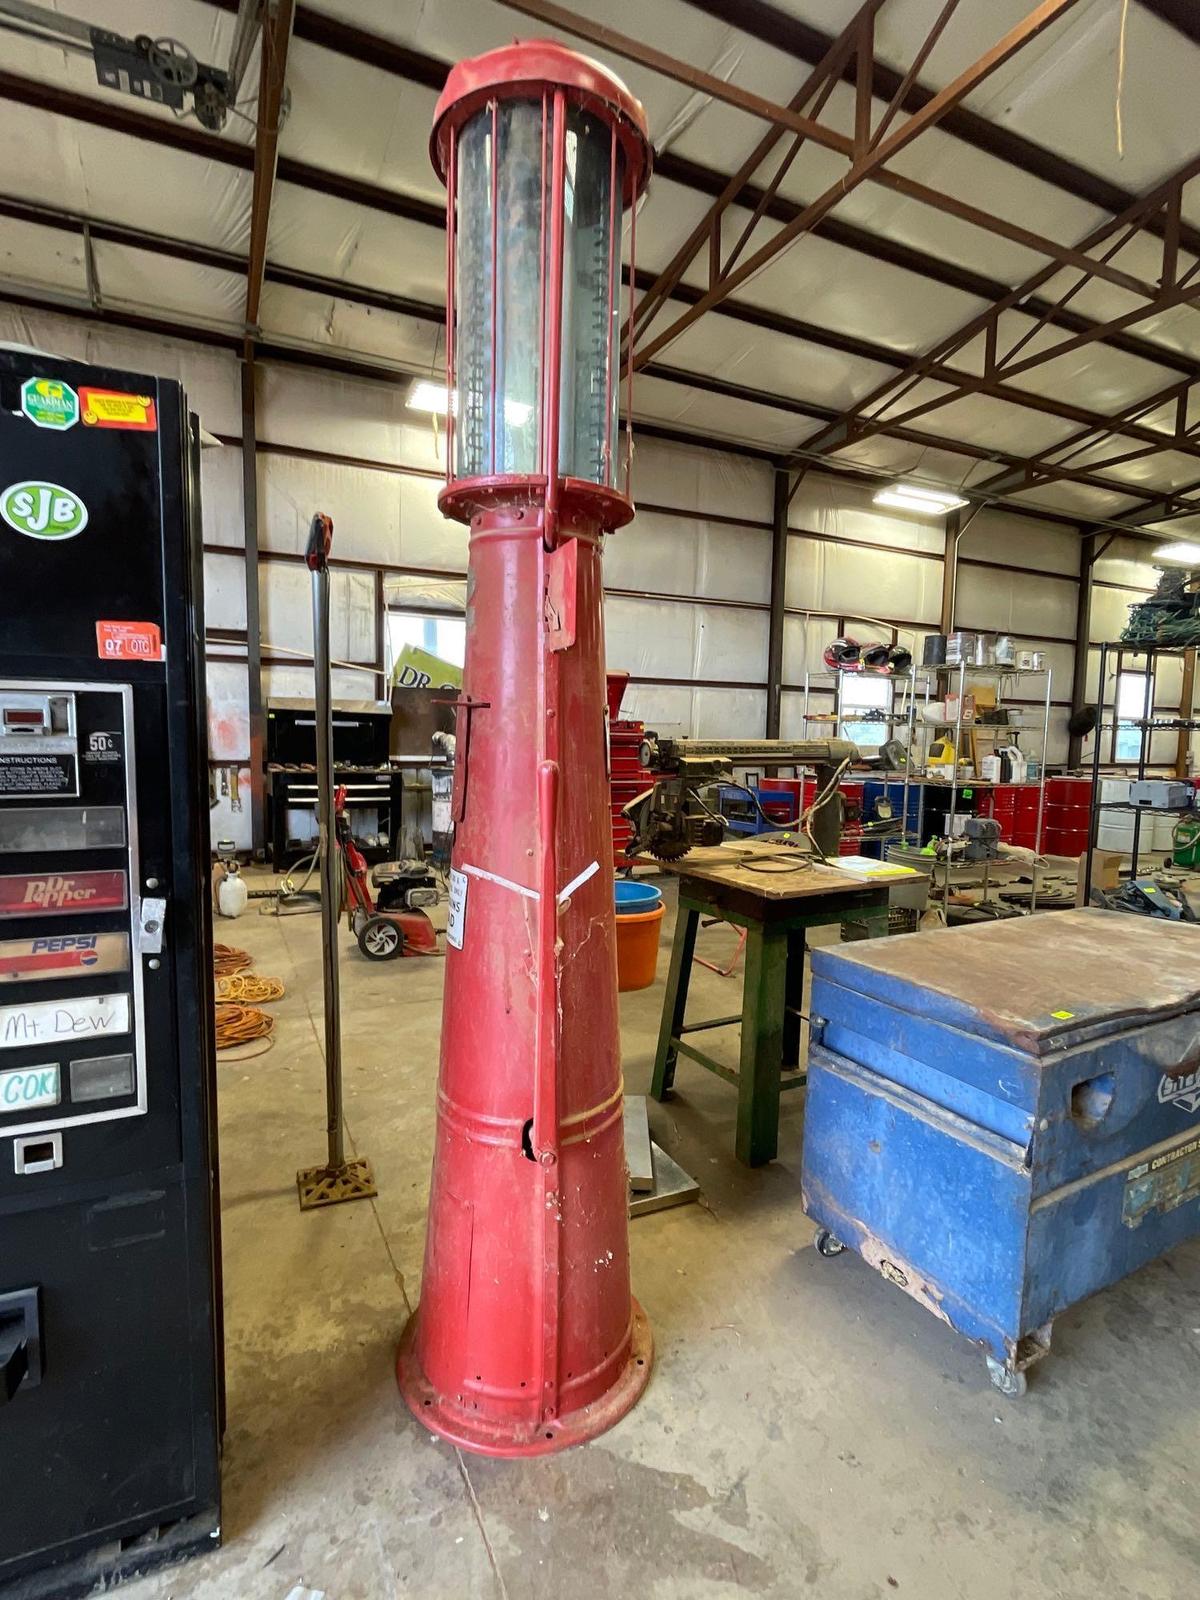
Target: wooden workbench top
(762, 869)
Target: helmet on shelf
(876, 657)
(842, 655)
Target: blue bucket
(633, 896)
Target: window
(1131, 708)
(444, 638)
(862, 691)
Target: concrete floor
(807, 1429)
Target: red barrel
(1068, 816)
(1025, 821)
(1065, 842)
(797, 788)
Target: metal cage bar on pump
(527, 1337)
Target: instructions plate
(457, 920)
(91, 1016)
(27, 775)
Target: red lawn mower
(393, 924)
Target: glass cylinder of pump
(539, 176)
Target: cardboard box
(968, 709)
(1106, 873)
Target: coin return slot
(37, 1153)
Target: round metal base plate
(508, 1439)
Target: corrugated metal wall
(688, 580)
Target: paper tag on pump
(456, 922)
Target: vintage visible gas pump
(109, 1266)
(527, 1338)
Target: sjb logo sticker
(43, 510)
(1183, 1092)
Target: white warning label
(457, 921)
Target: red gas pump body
(527, 1337)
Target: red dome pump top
(517, 71)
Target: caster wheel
(380, 940)
(827, 1244)
(1010, 1383)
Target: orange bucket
(637, 947)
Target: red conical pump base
(527, 1337)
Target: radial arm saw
(673, 816)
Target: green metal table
(776, 908)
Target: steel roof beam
(866, 417)
(918, 437)
(1040, 468)
(813, 92)
(783, 31)
(376, 50)
(275, 39)
(414, 66)
(867, 164)
(423, 211)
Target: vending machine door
(110, 1366)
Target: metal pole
(1094, 816)
(258, 720)
(337, 1179)
(779, 555)
(1144, 743)
(328, 858)
(1088, 553)
(1037, 850)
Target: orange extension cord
(228, 959)
(249, 988)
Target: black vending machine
(110, 1303)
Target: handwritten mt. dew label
(90, 1016)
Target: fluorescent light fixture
(1180, 554)
(920, 497)
(949, 498)
(426, 396)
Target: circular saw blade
(668, 849)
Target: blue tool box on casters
(1004, 1118)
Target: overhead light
(426, 396)
(1180, 554)
(920, 497)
